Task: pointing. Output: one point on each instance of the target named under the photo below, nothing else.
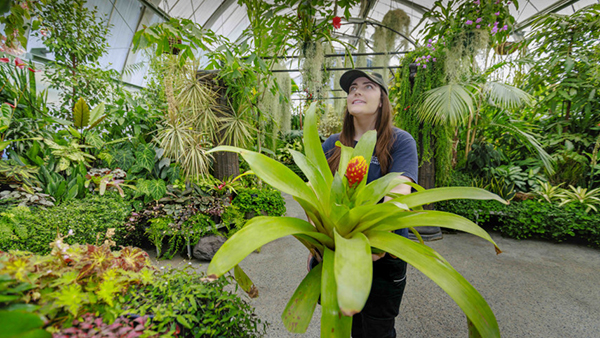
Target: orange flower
(356, 171)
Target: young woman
(369, 108)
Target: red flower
(32, 70)
(356, 171)
(19, 63)
(337, 22)
(5, 60)
(13, 107)
(43, 32)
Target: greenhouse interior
(299, 168)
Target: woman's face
(364, 97)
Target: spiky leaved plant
(349, 224)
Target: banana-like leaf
(256, 233)
(300, 308)
(312, 144)
(316, 179)
(444, 194)
(443, 274)
(96, 114)
(353, 268)
(433, 218)
(81, 113)
(333, 322)
(275, 174)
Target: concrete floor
(535, 288)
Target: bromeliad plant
(349, 225)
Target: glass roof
(228, 18)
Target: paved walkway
(535, 288)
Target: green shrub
(203, 309)
(88, 218)
(531, 219)
(260, 202)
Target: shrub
(531, 219)
(260, 202)
(203, 309)
(88, 219)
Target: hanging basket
(506, 48)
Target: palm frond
(451, 103)
(506, 96)
(529, 140)
(236, 130)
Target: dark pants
(377, 318)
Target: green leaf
(81, 113)
(377, 189)
(156, 189)
(333, 323)
(443, 194)
(312, 144)
(314, 176)
(353, 272)
(245, 282)
(300, 308)
(443, 274)
(17, 324)
(96, 114)
(432, 218)
(256, 233)
(145, 157)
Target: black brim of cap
(348, 77)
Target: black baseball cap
(353, 74)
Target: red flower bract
(356, 171)
(5, 60)
(337, 22)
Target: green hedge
(260, 201)
(32, 229)
(531, 219)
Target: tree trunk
(226, 163)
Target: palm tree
(460, 103)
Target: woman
(369, 108)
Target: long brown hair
(385, 136)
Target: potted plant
(349, 225)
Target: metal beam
(155, 8)
(364, 12)
(223, 7)
(419, 8)
(553, 8)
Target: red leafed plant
(90, 325)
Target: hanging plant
(423, 70)
(384, 39)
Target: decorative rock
(207, 247)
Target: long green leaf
(333, 322)
(443, 274)
(433, 218)
(376, 190)
(256, 233)
(312, 144)
(364, 148)
(275, 174)
(81, 113)
(300, 308)
(353, 272)
(314, 176)
(442, 194)
(245, 282)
